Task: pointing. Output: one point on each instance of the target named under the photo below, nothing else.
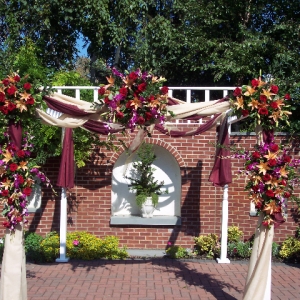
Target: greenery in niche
(142, 180)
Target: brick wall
(201, 204)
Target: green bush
(239, 249)
(50, 246)
(290, 249)
(110, 248)
(275, 249)
(234, 234)
(177, 252)
(208, 245)
(83, 245)
(32, 245)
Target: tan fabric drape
(182, 110)
(258, 278)
(13, 272)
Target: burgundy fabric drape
(221, 171)
(66, 170)
(15, 134)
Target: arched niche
(166, 169)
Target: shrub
(50, 246)
(83, 245)
(177, 252)
(290, 249)
(208, 245)
(234, 234)
(275, 249)
(239, 249)
(110, 248)
(32, 245)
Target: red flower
(17, 78)
(11, 106)
(287, 159)
(274, 89)
(123, 91)
(287, 195)
(106, 100)
(128, 104)
(274, 105)
(245, 112)
(20, 179)
(237, 92)
(4, 193)
(254, 83)
(142, 87)
(10, 201)
(263, 98)
(266, 177)
(272, 162)
(287, 97)
(19, 219)
(27, 191)
(263, 111)
(283, 182)
(270, 193)
(255, 188)
(11, 90)
(274, 147)
(151, 98)
(164, 90)
(4, 110)
(148, 116)
(27, 86)
(119, 115)
(5, 82)
(255, 155)
(6, 224)
(141, 120)
(101, 91)
(2, 97)
(13, 167)
(133, 76)
(20, 153)
(30, 101)
(258, 205)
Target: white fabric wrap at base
(13, 271)
(259, 265)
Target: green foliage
(234, 234)
(290, 249)
(239, 249)
(208, 245)
(142, 179)
(275, 249)
(50, 246)
(177, 252)
(32, 243)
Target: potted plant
(147, 188)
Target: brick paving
(153, 278)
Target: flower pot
(148, 208)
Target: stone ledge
(138, 220)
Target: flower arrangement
(18, 176)
(262, 102)
(137, 99)
(18, 98)
(272, 176)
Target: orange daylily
(22, 165)
(239, 102)
(263, 167)
(7, 156)
(267, 93)
(253, 104)
(136, 103)
(250, 91)
(21, 105)
(271, 208)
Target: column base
(62, 260)
(223, 261)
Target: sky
(81, 49)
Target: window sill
(138, 220)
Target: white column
(223, 259)
(63, 227)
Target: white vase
(147, 208)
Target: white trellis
(188, 99)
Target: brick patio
(152, 278)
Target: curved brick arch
(157, 142)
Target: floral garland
(137, 99)
(272, 176)
(18, 177)
(18, 98)
(261, 101)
